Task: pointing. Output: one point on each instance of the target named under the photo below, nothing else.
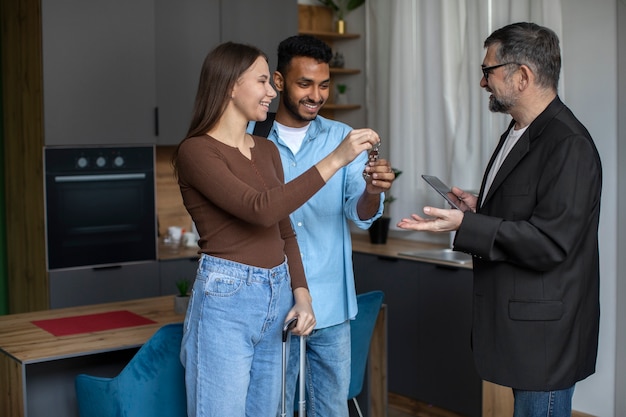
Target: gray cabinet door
(186, 30)
(449, 377)
(99, 72)
(84, 286)
(119, 72)
(173, 270)
(429, 321)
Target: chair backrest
(151, 384)
(361, 330)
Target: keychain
(372, 157)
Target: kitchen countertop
(169, 252)
(394, 248)
(398, 248)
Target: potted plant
(342, 97)
(341, 8)
(379, 229)
(181, 300)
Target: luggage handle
(287, 327)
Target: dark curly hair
(302, 45)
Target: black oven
(100, 205)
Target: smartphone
(442, 189)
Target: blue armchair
(152, 384)
(361, 330)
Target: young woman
(250, 271)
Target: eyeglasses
(487, 70)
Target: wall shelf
(318, 21)
(344, 71)
(331, 106)
(329, 36)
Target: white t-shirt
(292, 136)
(509, 143)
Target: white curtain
(423, 93)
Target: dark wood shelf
(344, 71)
(331, 106)
(332, 36)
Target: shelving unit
(317, 21)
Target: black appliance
(100, 205)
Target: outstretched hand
(441, 220)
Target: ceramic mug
(175, 233)
(190, 239)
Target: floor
(396, 412)
(404, 407)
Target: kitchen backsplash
(170, 208)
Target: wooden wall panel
(11, 400)
(23, 134)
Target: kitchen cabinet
(98, 71)
(429, 322)
(85, 286)
(264, 24)
(120, 72)
(173, 270)
(186, 30)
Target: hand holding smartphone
(442, 189)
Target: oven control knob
(101, 161)
(118, 161)
(82, 162)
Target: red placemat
(92, 323)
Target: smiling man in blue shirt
(321, 225)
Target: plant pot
(378, 230)
(180, 304)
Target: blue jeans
(232, 340)
(543, 403)
(327, 371)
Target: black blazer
(536, 270)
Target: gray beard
(500, 106)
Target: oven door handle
(100, 177)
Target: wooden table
(36, 367)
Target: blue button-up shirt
(321, 224)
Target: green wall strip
(4, 308)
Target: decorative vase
(180, 304)
(337, 61)
(378, 230)
(341, 26)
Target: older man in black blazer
(532, 231)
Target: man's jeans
(327, 371)
(543, 403)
